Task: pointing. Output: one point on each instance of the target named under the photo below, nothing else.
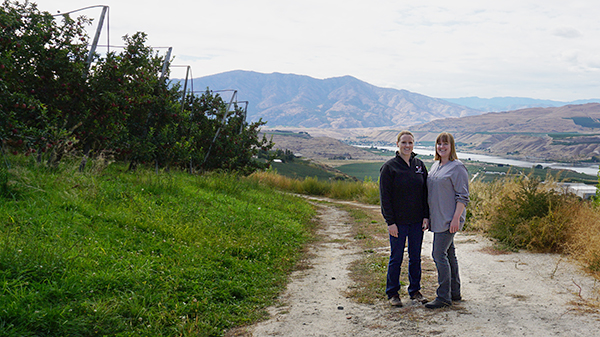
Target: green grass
(301, 169)
(362, 171)
(138, 254)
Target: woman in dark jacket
(403, 195)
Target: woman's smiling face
(406, 145)
(443, 149)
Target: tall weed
(486, 199)
(367, 192)
(314, 186)
(584, 234)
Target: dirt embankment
(515, 294)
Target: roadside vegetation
(366, 192)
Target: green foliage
(367, 192)
(42, 90)
(52, 102)
(362, 171)
(286, 156)
(528, 219)
(142, 254)
(314, 186)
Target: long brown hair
(446, 137)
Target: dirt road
(515, 294)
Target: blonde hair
(446, 137)
(405, 132)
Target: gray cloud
(567, 32)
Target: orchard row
(53, 102)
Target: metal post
(244, 115)
(220, 126)
(96, 38)
(165, 64)
(187, 72)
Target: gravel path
(516, 294)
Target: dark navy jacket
(403, 191)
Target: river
(429, 151)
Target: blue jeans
(444, 257)
(414, 232)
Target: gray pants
(447, 266)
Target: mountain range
(498, 104)
(289, 100)
(337, 103)
(356, 112)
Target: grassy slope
(301, 169)
(122, 253)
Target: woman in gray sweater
(448, 197)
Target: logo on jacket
(419, 169)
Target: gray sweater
(446, 186)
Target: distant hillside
(338, 103)
(319, 148)
(568, 133)
(565, 134)
(570, 118)
(497, 104)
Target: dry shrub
(584, 234)
(550, 233)
(275, 180)
(570, 225)
(370, 194)
(486, 199)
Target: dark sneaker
(395, 301)
(417, 296)
(456, 298)
(436, 304)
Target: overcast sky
(545, 49)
